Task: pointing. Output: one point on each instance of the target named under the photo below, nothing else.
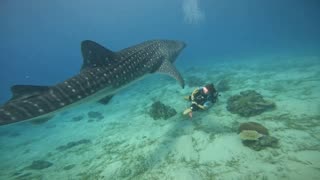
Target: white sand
(129, 144)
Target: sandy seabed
(121, 141)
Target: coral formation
(95, 115)
(268, 141)
(73, 144)
(248, 103)
(39, 164)
(77, 118)
(19, 175)
(253, 126)
(256, 136)
(161, 111)
(262, 143)
(250, 135)
(68, 167)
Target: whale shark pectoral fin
(25, 91)
(95, 55)
(169, 69)
(106, 99)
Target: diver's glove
(199, 105)
(188, 112)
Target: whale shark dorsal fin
(169, 69)
(95, 55)
(25, 91)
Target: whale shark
(102, 74)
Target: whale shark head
(173, 49)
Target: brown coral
(159, 110)
(253, 126)
(249, 103)
(256, 136)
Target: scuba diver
(201, 98)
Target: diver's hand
(201, 107)
(187, 111)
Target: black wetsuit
(202, 98)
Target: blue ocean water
(40, 40)
(40, 45)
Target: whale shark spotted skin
(103, 73)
